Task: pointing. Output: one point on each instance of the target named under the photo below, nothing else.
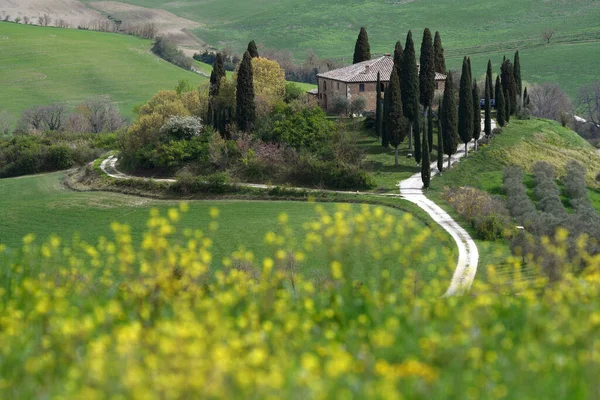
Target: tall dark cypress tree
(398, 59)
(525, 97)
(426, 164)
(440, 142)
(427, 70)
(449, 120)
(378, 108)
(487, 125)
(438, 54)
(508, 105)
(509, 85)
(216, 76)
(252, 49)
(409, 80)
(387, 97)
(245, 106)
(497, 89)
(465, 107)
(430, 129)
(517, 74)
(417, 133)
(397, 122)
(490, 79)
(469, 69)
(476, 115)
(500, 105)
(362, 49)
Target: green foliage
(308, 128)
(362, 49)
(508, 106)
(417, 128)
(440, 144)
(217, 75)
(430, 128)
(252, 49)
(316, 173)
(378, 108)
(396, 127)
(292, 92)
(465, 105)
(487, 123)
(426, 163)
(399, 58)
(181, 128)
(517, 74)
(489, 80)
(476, 112)
(438, 53)
(427, 70)
(500, 104)
(245, 105)
(449, 118)
(409, 81)
(387, 97)
(168, 51)
(509, 86)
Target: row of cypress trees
(220, 115)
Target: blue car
(492, 103)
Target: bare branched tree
(54, 116)
(32, 119)
(101, 115)
(588, 101)
(45, 20)
(61, 23)
(547, 35)
(550, 102)
(26, 20)
(6, 122)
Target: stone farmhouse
(359, 80)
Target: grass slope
(44, 65)
(41, 205)
(480, 29)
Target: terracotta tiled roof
(366, 71)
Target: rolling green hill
(482, 29)
(44, 65)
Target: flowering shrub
(158, 321)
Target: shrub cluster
(168, 51)
(229, 62)
(22, 155)
(488, 215)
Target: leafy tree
(396, 126)
(449, 119)
(362, 49)
(218, 73)
(490, 79)
(476, 115)
(410, 85)
(465, 106)
(500, 104)
(378, 108)
(426, 164)
(427, 70)
(438, 53)
(440, 142)
(269, 84)
(245, 105)
(292, 92)
(487, 125)
(517, 74)
(252, 49)
(418, 145)
(430, 128)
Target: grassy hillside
(44, 65)
(42, 206)
(480, 29)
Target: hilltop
(42, 65)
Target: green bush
(308, 128)
(327, 174)
(60, 157)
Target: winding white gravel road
(411, 190)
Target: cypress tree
(500, 106)
(487, 125)
(362, 49)
(387, 97)
(508, 105)
(410, 85)
(397, 123)
(525, 97)
(430, 129)
(497, 89)
(509, 85)
(490, 79)
(378, 108)
(427, 70)
(517, 74)
(438, 54)
(440, 141)
(252, 49)
(449, 120)
(469, 68)
(245, 105)
(417, 133)
(476, 115)
(398, 59)
(426, 164)
(465, 107)
(216, 76)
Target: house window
(437, 86)
(324, 86)
(361, 87)
(382, 87)
(338, 86)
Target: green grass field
(41, 205)
(44, 65)
(480, 29)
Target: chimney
(388, 54)
(367, 69)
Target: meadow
(42, 206)
(481, 30)
(41, 65)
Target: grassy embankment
(330, 28)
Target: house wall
(328, 90)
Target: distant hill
(40, 65)
(481, 29)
